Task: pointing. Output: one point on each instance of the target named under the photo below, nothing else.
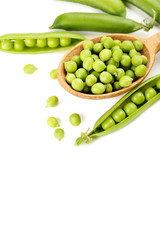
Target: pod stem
(84, 138)
(147, 24)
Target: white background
(54, 190)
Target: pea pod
(99, 23)
(147, 6)
(33, 43)
(115, 7)
(120, 115)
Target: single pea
(117, 42)
(136, 60)
(118, 115)
(130, 108)
(105, 77)
(88, 45)
(64, 42)
(103, 38)
(53, 42)
(144, 59)
(108, 42)
(112, 62)
(70, 66)
(108, 123)
(119, 73)
(90, 80)
(70, 77)
(97, 47)
(98, 88)
(86, 88)
(75, 119)
(81, 73)
(19, 44)
(116, 47)
(127, 45)
(77, 84)
(29, 69)
(52, 122)
(109, 88)
(126, 60)
(96, 74)
(116, 86)
(52, 101)
(130, 73)
(99, 66)
(150, 93)
(133, 52)
(85, 53)
(88, 63)
(30, 42)
(111, 69)
(117, 55)
(59, 134)
(53, 74)
(140, 71)
(138, 98)
(77, 60)
(6, 44)
(125, 81)
(133, 68)
(95, 57)
(41, 43)
(138, 45)
(105, 54)
(158, 84)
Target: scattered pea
(59, 134)
(52, 122)
(75, 119)
(52, 101)
(29, 69)
(53, 74)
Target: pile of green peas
(106, 66)
(137, 99)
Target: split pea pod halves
(125, 110)
(115, 7)
(98, 22)
(33, 43)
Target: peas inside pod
(107, 66)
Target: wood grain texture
(151, 47)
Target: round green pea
(117, 42)
(30, 42)
(84, 54)
(86, 88)
(105, 54)
(116, 86)
(103, 38)
(138, 98)
(144, 59)
(90, 80)
(88, 63)
(77, 84)
(99, 66)
(138, 45)
(95, 57)
(127, 45)
(70, 66)
(111, 61)
(130, 108)
(119, 73)
(116, 47)
(98, 88)
(158, 84)
(53, 74)
(53, 42)
(125, 81)
(29, 69)
(136, 60)
(97, 47)
(111, 69)
(118, 115)
(52, 122)
(75, 119)
(52, 101)
(19, 44)
(117, 55)
(108, 42)
(105, 77)
(88, 44)
(59, 134)
(108, 123)
(77, 60)
(140, 71)
(41, 43)
(126, 60)
(81, 73)
(150, 93)
(130, 73)
(70, 77)
(64, 42)
(133, 52)
(96, 74)
(109, 88)
(6, 44)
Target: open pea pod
(150, 89)
(34, 43)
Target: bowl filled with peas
(104, 66)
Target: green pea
(144, 59)
(64, 42)
(52, 101)
(111, 69)
(125, 81)
(133, 52)
(158, 84)
(88, 63)
(127, 45)
(52, 122)
(109, 88)
(6, 44)
(105, 54)
(119, 73)
(53, 42)
(117, 55)
(118, 115)
(84, 54)
(96, 74)
(86, 88)
(103, 39)
(88, 45)
(90, 80)
(140, 71)
(70, 77)
(41, 43)
(130, 108)
(30, 42)
(126, 60)
(59, 134)
(70, 66)
(75, 119)
(113, 62)
(19, 44)
(99, 66)
(77, 60)
(150, 93)
(106, 77)
(117, 42)
(138, 98)
(133, 68)
(77, 84)
(97, 47)
(29, 69)
(130, 73)
(108, 123)
(53, 74)
(108, 42)
(95, 57)
(116, 47)
(138, 45)
(136, 60)
(98, 88)
(116, 86)
(81, 73)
